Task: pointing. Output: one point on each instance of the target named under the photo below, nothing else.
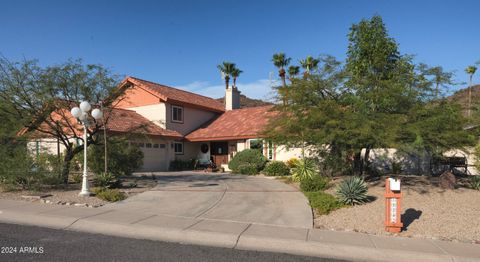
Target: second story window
(177, 114)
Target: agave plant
(304, 169)
(352, 191)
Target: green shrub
(304, 169)
(276, 168)
(352, 191)
(248, 161)
(322, 202)
(246, 169)
(110, 195)
(123, 158)
(475, 182)
(315, 183)
(106, 180)
(180, 165)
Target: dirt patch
(69, 195)
(427, 211)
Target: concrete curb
(241, 241)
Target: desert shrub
(475, 182)
(110, 195)
(276, 168)
(352, 191)
(251, 161)
(19, 170)
(315, 183)
(305, 168)
(106, 180)
(322, 202)
(292, 162)
(123, 158)
(180, 165)
(76, 177)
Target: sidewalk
(246, 236)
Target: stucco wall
(193, 118)
(155, 113)
(135, 97)
(45, 146)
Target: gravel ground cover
(69, 195)
(427, 211)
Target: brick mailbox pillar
(393, 196)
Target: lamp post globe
(76, 112)
(85, 106)
(97, 113)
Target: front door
(219, 153)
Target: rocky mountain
(247, 102)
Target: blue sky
(179, 43)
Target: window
(148, 145)
(162, 146)
(178, 148)
(256, 144)
(270, 150)
(155, 145)
(177, 114)
(141, 144)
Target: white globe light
(97, 114)
(85, 106)
(76, 112)
(83, 116)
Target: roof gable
(177, 96)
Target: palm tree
(309, 64)
(235, 74)
(281, 61)
(227, 69)
(471, 71)
(293, 71)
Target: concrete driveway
(223, 197)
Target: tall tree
(226, 68)
(470, 70)
(309, 64)
(439, 78)
(376, 100)
(39, 99)
(235, 74)
(281, 61)
(293, 72)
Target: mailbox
(393, 197)
(394, 184)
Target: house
(181, 125)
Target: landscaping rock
(35, 197)
(448, 180)
(80, 205)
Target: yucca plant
(304, 169)
(352, 191)
(475, 182)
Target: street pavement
(28, 243)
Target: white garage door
(155, 157)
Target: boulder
(448, 180)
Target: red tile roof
(128, 121)
(177, 96)
(235, 124)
